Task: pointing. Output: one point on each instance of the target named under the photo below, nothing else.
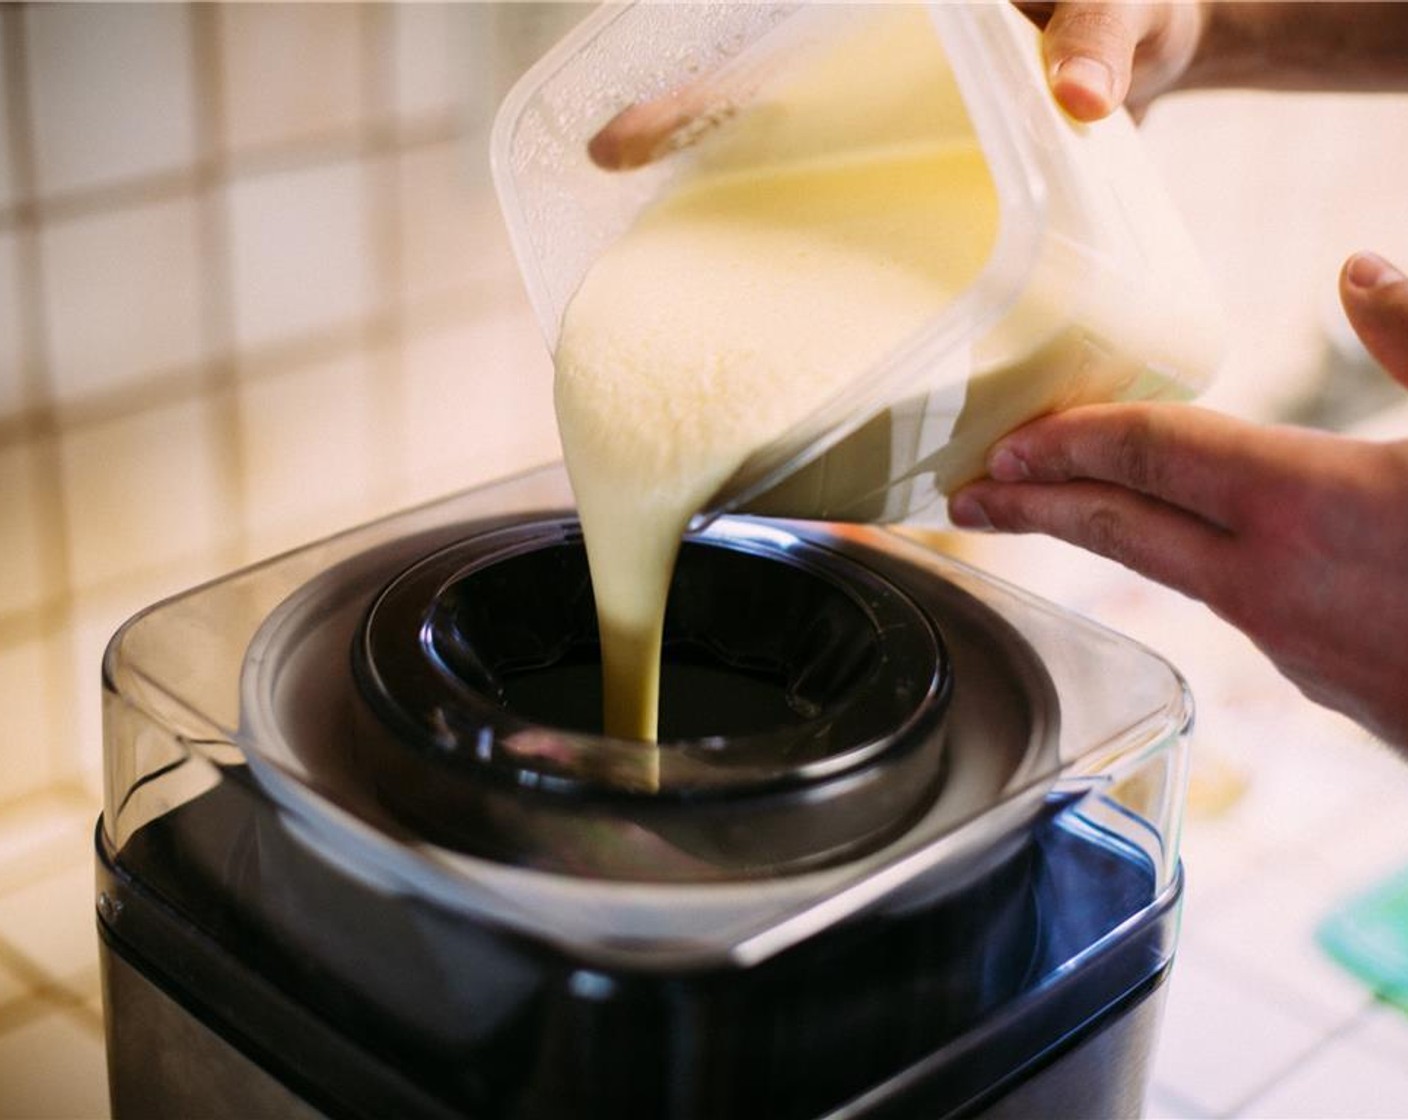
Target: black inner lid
(783, 662)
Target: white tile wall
(309, 449)
(41, 837)
(123, 297)
(1370, 843)
(25, 582)
(112, 92)
(54, 1068)
(1383, 1030)
(290, 72)
(1224, 1040)
(1308, 792)
(144, 492)
(1218, 859)
(1161, 1105)
(523, 32)
(1265, 931)
(1274, 219)
(1338, 1081)
(300, 251)
(66, 951)
(7, 173)
(28, 695)
(451, 235)
(461, 426)
(11, 987)
(12, 387)
(440, 52)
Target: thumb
(1089, 50)
(1375, 297)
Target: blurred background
(254, 289)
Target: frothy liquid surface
(733, 309)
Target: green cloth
(1369, 937)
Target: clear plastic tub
(1091, 290)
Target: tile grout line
(302, 154)
(219, 386)
(37, 393)
(48, 870)
(381, 167)
(37, 1003)
(40, 985)
(178, 384)
(1187, 1107)
(1216, 955)
(61, 795)
(379, 141)
(213, 169)
(1308, 1052)
(19, 133)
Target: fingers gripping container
(1090, 291)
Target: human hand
(1299, 538)
(1099, 56)
(649, 130)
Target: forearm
(1301, 46)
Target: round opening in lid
(802, 703)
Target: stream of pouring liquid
(732, 310)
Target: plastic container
(1091, 290)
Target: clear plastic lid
(222, 687)
(1090, 290)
